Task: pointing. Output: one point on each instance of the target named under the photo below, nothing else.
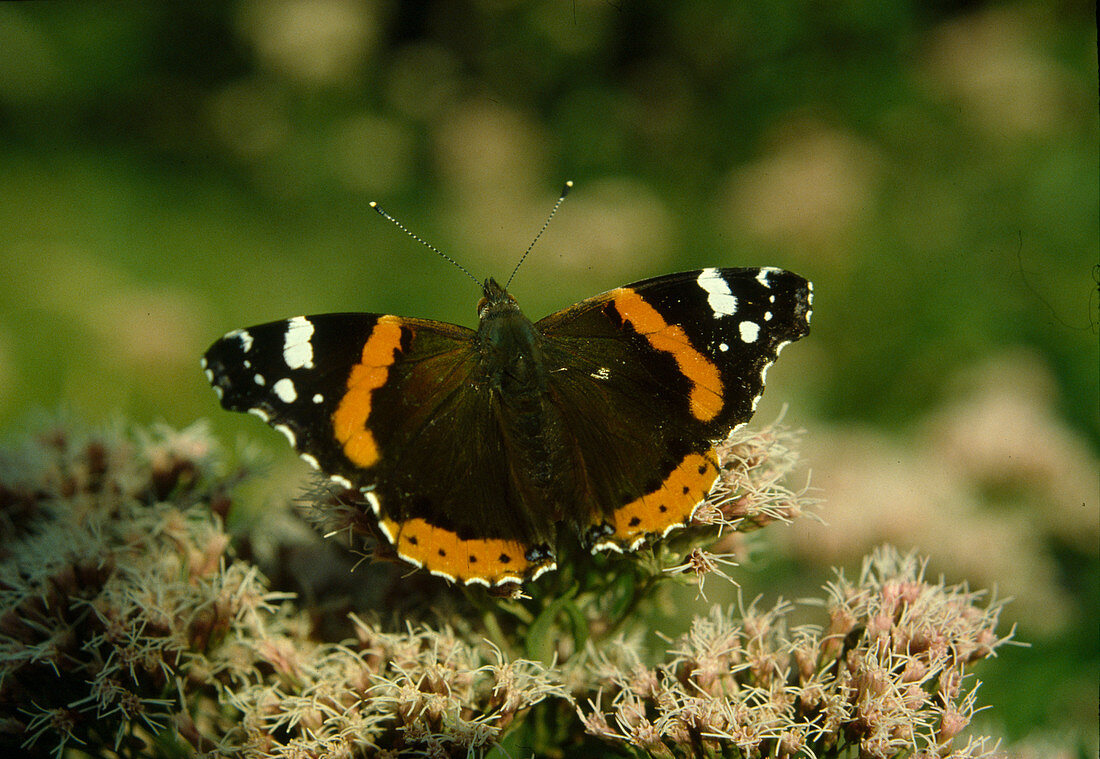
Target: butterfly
(474, 447)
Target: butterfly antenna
(564, 191)
(424, 242)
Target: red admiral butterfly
(473, 446)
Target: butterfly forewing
(293, 375)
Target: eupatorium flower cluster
(133, 624)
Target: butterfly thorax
(515, 376)
(511, 358)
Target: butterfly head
(495, 300)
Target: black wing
(392, 407)
(649, 376)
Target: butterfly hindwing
(442, 485)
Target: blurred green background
(170, 171)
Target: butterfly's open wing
(649, 376)
(395, 410)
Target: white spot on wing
(763, 380)
(286, 432)
(386, 531)
(309, 460)
(750, 331)
(243, 336)
(721, 301)
(260, 413)
(317, 397)
(723, 347)
(375, 504)
(297, 348)
(601, 374)
(543, 570)
(284, 388)
(259, 379)
(670, 528)
(762, 275)
(343, 482)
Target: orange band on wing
(349, 421)
(671, 505)
(444, 553)
(706, 392)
